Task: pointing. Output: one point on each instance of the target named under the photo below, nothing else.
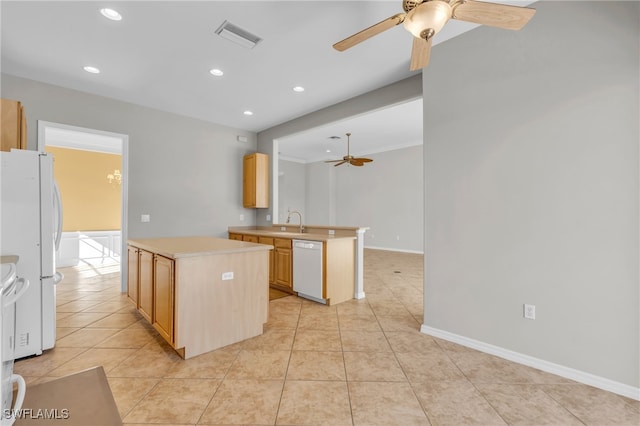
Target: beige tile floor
(357, 363)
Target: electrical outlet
(227, 276)
(268, 218)
(530, 311)
(332, 232)
(241, 218)
(283, 228)
(145, 218)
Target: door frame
(124, 146)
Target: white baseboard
(549, 367)
(394, 249)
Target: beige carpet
(80, 399)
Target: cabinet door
(283, 266)
(145, 295)
(249, 181)
(132, 281)
(272, 257)
(256, 181)
(163, 297)
(237, 237)
(13, 125)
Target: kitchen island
(200, 293)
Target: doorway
(84, 243)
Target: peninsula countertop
(177, 247)
(272, 232)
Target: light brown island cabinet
(145, 284)
(133, 287)
(163, 289)
(206, 292)
(13, 131)
(256, 180)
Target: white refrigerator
(31, 227)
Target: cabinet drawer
(265, 240)
(250, 238)
(282, 242)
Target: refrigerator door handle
(58, 203)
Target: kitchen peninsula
(342, 251)
(200, 293)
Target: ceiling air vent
(237, 35)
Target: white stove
(12, 289)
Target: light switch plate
(145, 218)
(227, 276)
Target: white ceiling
(159, 55)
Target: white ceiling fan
(425, 18)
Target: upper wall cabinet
(13, 132)
(256, 181)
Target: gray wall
(532, 190)
(321, 199)
(386, 196)
(292, 182)
(185, 173)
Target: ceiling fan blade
(420, 53)
(333, 161)
(369, 32)
(341, 162)
(493, 14)
(356, 163)
(363, 160)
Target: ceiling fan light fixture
(431, 15)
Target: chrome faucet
(299, 215)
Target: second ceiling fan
(350, 159)
(425, 18)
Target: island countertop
(178, 247)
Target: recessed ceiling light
(92, 70)
(298, 89)
(216, 72)
(328, 150)
(247, 112)
(334, 137)
(111, 14)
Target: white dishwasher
(307, 269)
